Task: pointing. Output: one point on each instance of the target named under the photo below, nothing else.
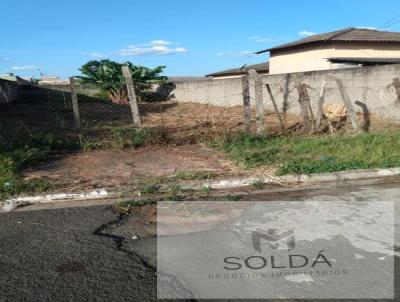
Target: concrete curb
(304, 179)
(12, 203)
(312, 179)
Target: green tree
(107, 75)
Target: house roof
(365, 61)
(261, 67)
(350, 34)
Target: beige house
(52, 80)
(338, 49)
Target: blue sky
(189, 37)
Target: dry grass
(203, 120)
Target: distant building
(13, 78)
(338, 49)
(52, 80)
(261, 68)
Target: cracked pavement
(88, 254)
(54, 255)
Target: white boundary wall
(370, 87)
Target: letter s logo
(237, 265)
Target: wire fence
(190, 111)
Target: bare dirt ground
(119, 168)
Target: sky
(189, 37)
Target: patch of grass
(123, 137)
(11, 164)
(149, 189)
(20, 149)
(258, 184)
(88, 144)
(194, 175)
(173, 197)
(230, 197)
(16, 186)
(314, 154)
(174, 189)
(127, 205)
(205, 189)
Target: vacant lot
(40, 150)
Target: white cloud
(24, 68)
(2, 60)
(366, 27)
(306, 33)
(155, 47)
(98, 55)
(160, 42)
(230, 53)
(260, 39)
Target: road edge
(237, 182)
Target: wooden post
(259, 99)
(132, 96)
(276, 108)
(303, 107)
(320, 106)
(347, 102)
(246, 103)
(74, 103)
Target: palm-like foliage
(107, 75)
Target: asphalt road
(88, 254)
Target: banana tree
(107, 75)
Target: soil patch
(118, 168)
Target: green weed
(314, 154)
(149, 189)
(230, 197)
(194, 175)
(127, 205)
(258, 184)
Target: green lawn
(314, 154)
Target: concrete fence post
(132, 96)
(259, 99)
(320, 105)
(75, 106)
(246, 103)
(307, 100)
(283, 127)
(303, 106)
(347, 102)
